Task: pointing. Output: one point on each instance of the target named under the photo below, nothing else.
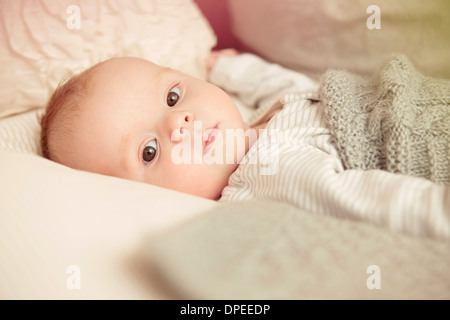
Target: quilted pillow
(43, 41)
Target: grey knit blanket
(398, 121)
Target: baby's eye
(173, 96)
(150, 151)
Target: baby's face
(147, 123)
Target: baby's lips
(209, 136)
(210, 133)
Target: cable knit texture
(398, 121)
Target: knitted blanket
(398, 121)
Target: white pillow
(314, 35)
(43, 41)
(53, 217)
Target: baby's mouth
(209, 136)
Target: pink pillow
(315, 35)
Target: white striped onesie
(307, 172)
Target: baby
(129, 118)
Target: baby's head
(130, 118)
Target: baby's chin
(212, 193)
(212, 189)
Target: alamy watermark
(374, 280)
(73, 281)
(374, 20)
(73, 20)
(210, 146)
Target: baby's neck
(259, 126)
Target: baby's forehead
(123, 71)
(131, 64)
(128, 60)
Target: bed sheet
(58, 225)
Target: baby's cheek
(181, 177)
(201, 180)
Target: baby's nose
(181, 125)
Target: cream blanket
(399, 121)
(267, 250)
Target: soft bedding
(397, 121)
(265, 250)
(312, 36)
(45, 41)
(380, 119)
(67, 234)
(54, 220)
(21, 132)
